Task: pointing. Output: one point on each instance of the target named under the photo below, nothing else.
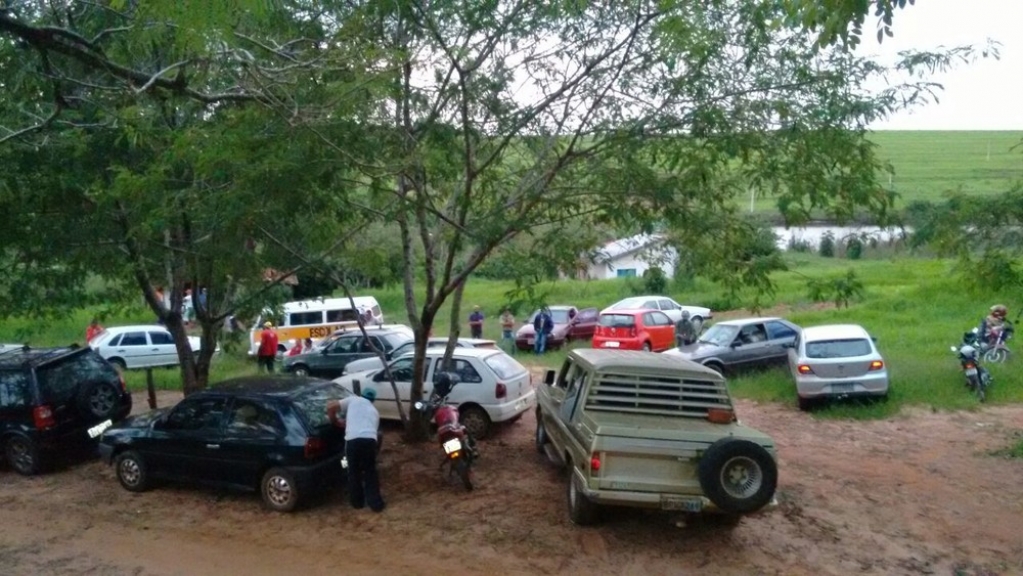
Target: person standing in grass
(94, 329)
(543, 325)
(476, 322)
(508, 329)
(267, 353)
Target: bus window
(305, 318)
(346, 315)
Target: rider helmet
(999, 311)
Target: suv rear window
(312, 405)
(617, 320)
(504, 366)
(59, 380)
(14, 390)
(837, 348)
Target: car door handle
(121, 351)
(213, 446)
(155, 350)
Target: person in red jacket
(94, 329)
(267, 348)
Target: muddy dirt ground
(922, 493)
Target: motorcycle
(978, 379)
(459, 446)
(997, 352)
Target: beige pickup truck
(652, 431)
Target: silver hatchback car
(836, 361)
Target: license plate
(99, 428)
(681, 504)
(453, 445)
(971, 371)
(841, 388)
(611, 344)
(344, 462)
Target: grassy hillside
(929, 163)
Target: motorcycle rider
(993, 324)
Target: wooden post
(151, 388)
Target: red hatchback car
(635, 330)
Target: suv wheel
(280, 493)
(131, 471)
(476, 421)
(23, 455)
(581, 510)
(98, 399)
(738, 476)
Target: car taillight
(124, 386)
(804, 369)
(501, 390)
(876, 365)
(43, 417)
(720, 416)
(314, 447)
(595, 463)
(970, 365)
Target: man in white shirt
(361, 422)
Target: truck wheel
(541, 434)
(581, 510)
(738, 476)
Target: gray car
(745, 344)
(373, 362)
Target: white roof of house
(623, 246)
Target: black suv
(265, 433)
(330, 359)
(50, 397)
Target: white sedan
(493, 387)
(698, 314)
(836, 361)
(143, 346)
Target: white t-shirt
(361, 418)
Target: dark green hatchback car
(330, 359)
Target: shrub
(854, 248)
(827, 245)
(798, 245)
(655, 281)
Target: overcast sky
(987, 95)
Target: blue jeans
(540, 344)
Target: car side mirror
(549, 377)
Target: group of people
(543, 325)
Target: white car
(493, 387)
(143, 346)
(374, 363)
(698, 314)
(836, 361)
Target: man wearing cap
(267, 352)
(361, 422)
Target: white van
(314, 319)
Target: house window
(626, 272)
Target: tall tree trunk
(456, 325)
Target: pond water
(812, 234)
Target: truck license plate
(681, 504)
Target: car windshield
(617, 320)
(312, 405)
(719, 335)
(558, 316)
(838, 348)
(504, 366)
(628, 303)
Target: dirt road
(919, 494)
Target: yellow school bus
(315, 319)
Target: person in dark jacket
(543, 325)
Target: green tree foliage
(654, 281)
(826, 248)
(837, 290)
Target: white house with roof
(628, 257)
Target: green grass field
(930, 163)
(915, 307)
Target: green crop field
(930, 163)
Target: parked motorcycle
(997, 351)
(459, 446)
(978, 379)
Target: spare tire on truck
(98, 399)
(739, 476)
